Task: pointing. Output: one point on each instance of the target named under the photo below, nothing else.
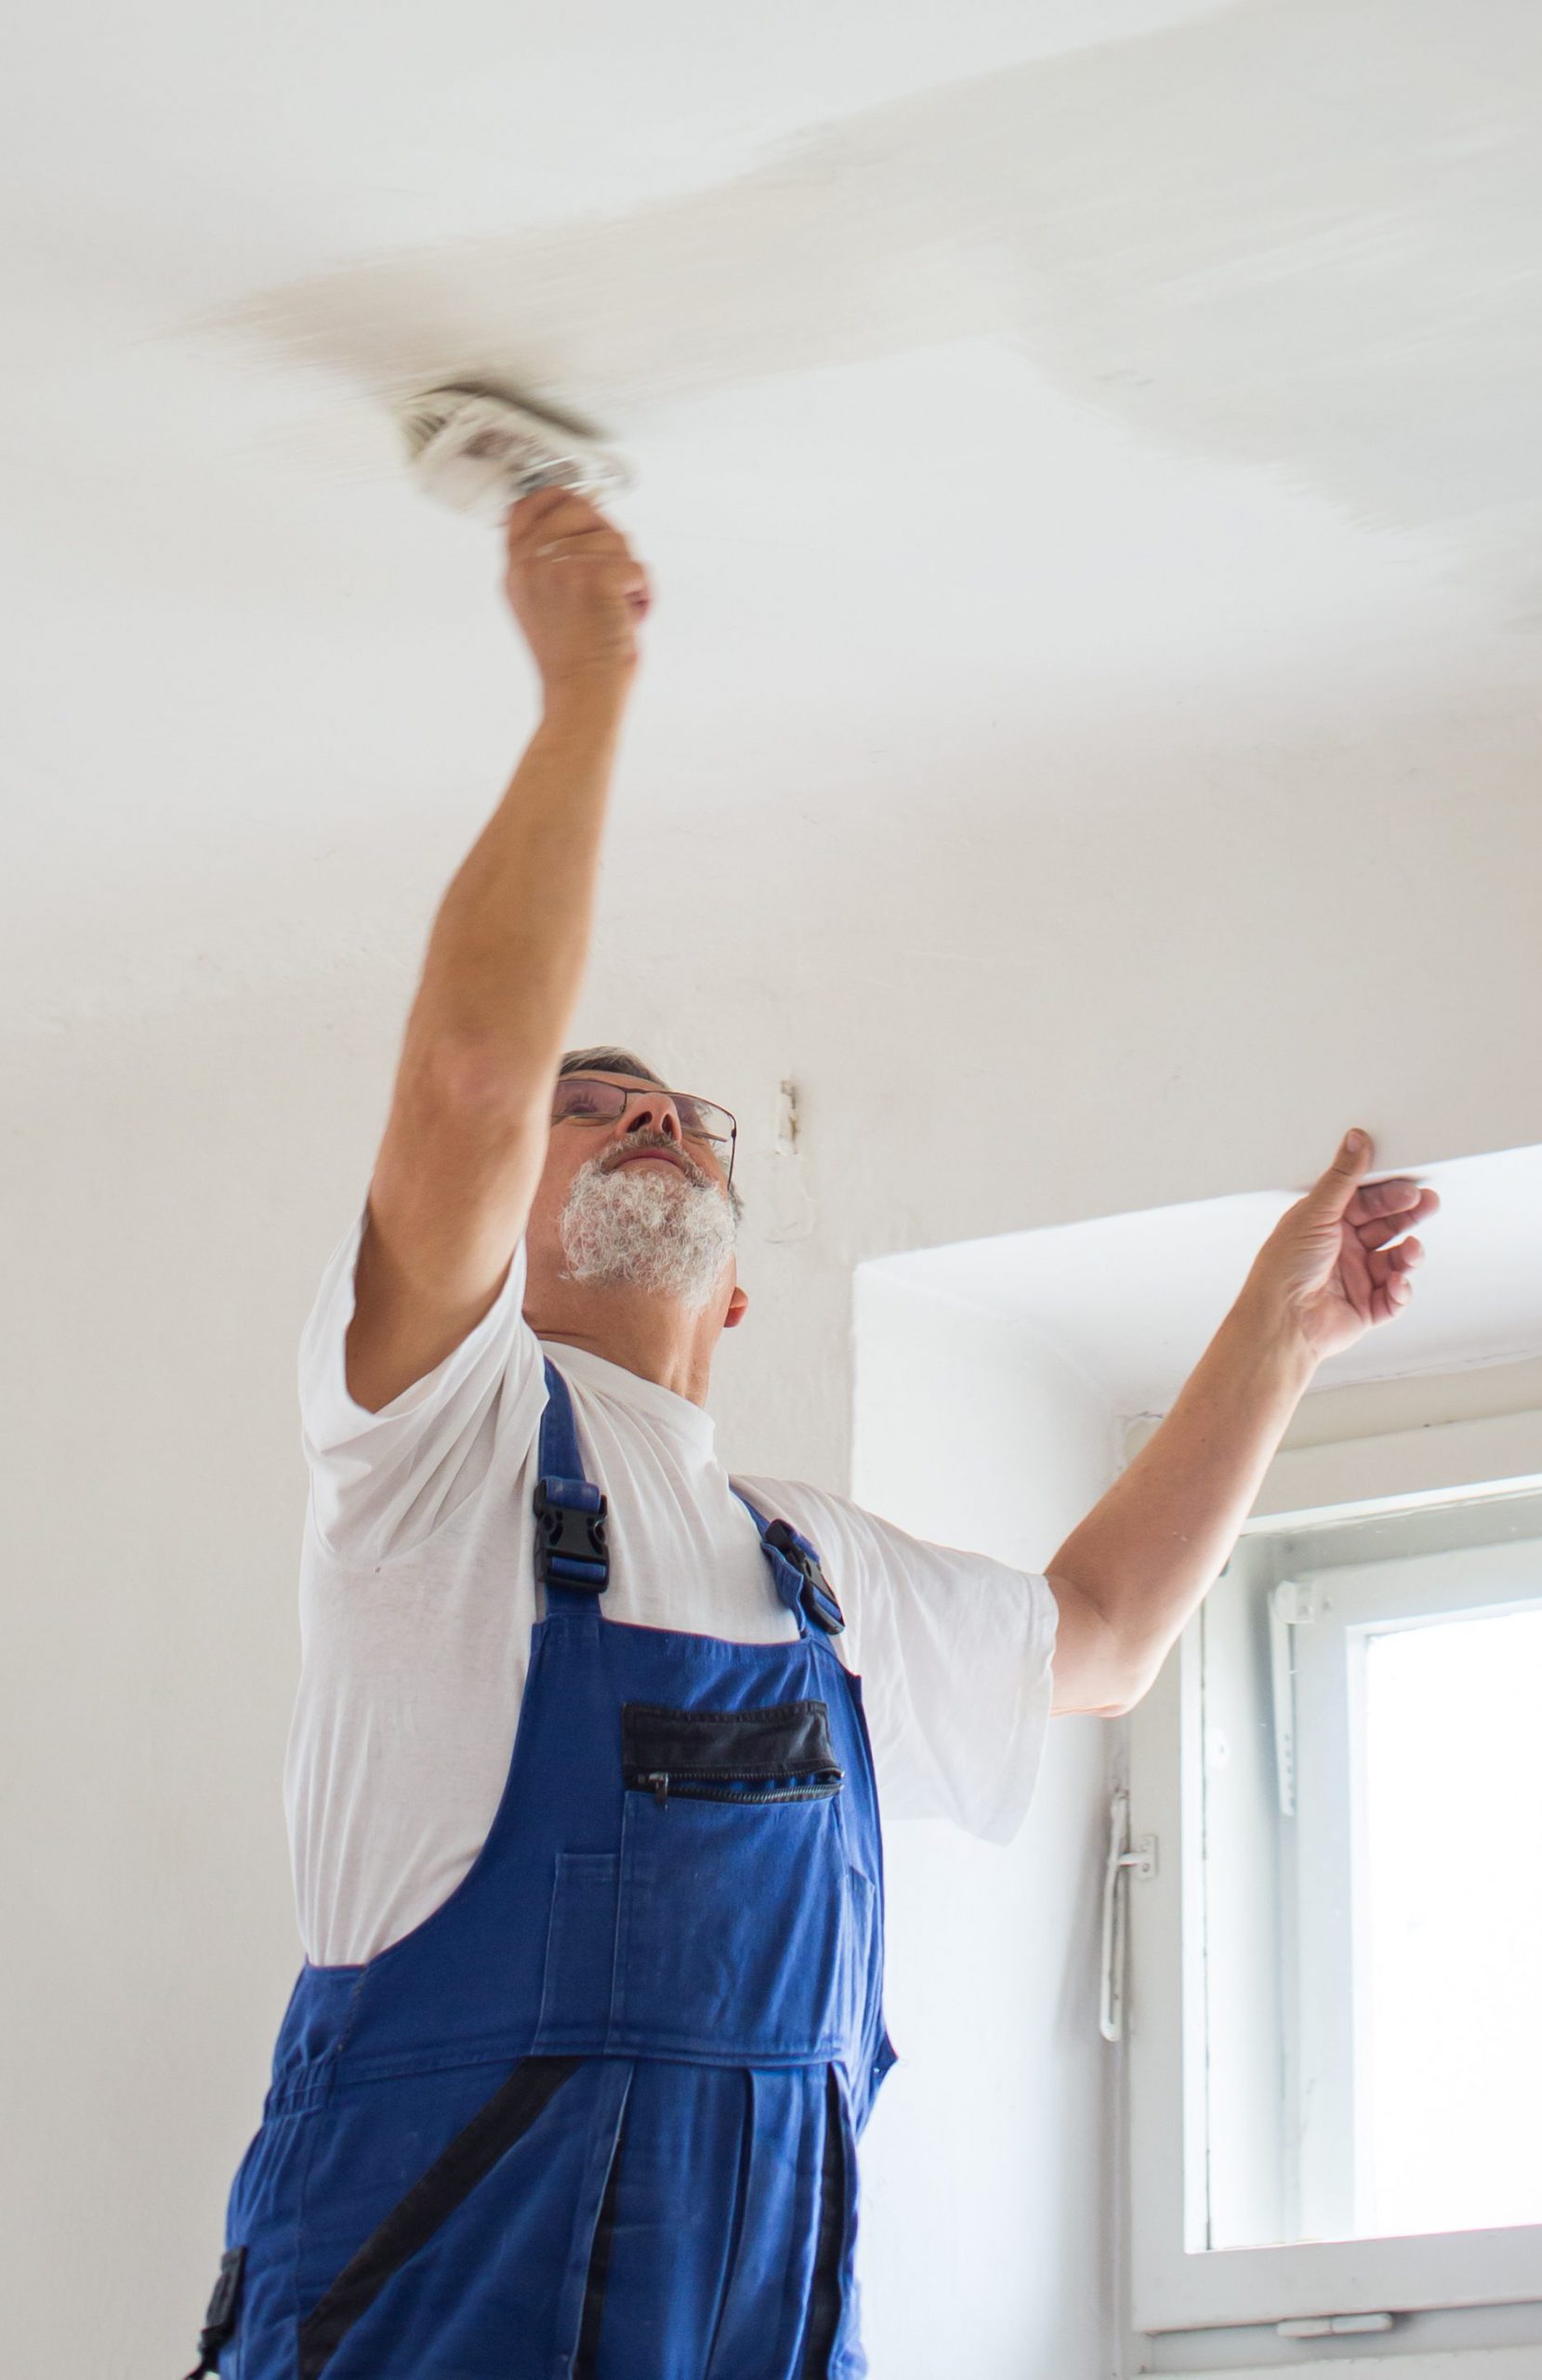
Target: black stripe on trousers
(411, 2222)
(599, 2270)
(825, 2290)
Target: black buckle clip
(816, 1595)
(570, 1535)
(220, 2320)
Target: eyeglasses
(585, 1099)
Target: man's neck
(642, 1333)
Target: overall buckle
(815, 1593)
(570, 1534)
(220, 2320)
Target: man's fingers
(1380, 1229)
(530, 510)
(1382, 1210)
(553, 512)
(573, 584)
(590, 545)
(610, 566)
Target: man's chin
(689, 1296)
(671, 1242)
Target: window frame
(1172, 2288)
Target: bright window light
(1450, 2057)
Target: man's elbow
(1103, 1665)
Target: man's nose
(654, 1115)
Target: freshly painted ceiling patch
(1290, 234)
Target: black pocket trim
(667, 1785)
(411, 2222)
(788, 1740)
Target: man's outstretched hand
(1328, 1267)
(575, 588)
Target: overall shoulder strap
(572, 1557)
(800, 1580)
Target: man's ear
(738, 1307)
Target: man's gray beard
(661, 1231)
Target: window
(1450, 1916)
(1336, 1959)
(1418, 1912)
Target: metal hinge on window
(1290, 1607)
(1123, 1858)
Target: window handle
(1334, 2326)
(1123, 1859)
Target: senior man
(590, 2017)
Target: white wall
(173, 1191)
(987, 2234)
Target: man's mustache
(640, 1142)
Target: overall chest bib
(594, 2118)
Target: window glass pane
(1451, 2073)
(1363, 1950)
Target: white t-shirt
(417, 1594)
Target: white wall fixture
(1125, 1860)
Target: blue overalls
(594, 2118)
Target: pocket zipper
(661, 1782)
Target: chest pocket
(737, 1913)
(781, 1755)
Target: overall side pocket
(580, 1966)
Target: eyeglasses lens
(579, 1101)
(701, 1121)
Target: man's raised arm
(467, 1134)
(1128, 1577)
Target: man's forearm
(1148, 1551)
(506, 958)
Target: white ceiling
(1087, 455)
(1097, 331)
(1129, 1300)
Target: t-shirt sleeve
(381, 1484)
(954, 1652)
